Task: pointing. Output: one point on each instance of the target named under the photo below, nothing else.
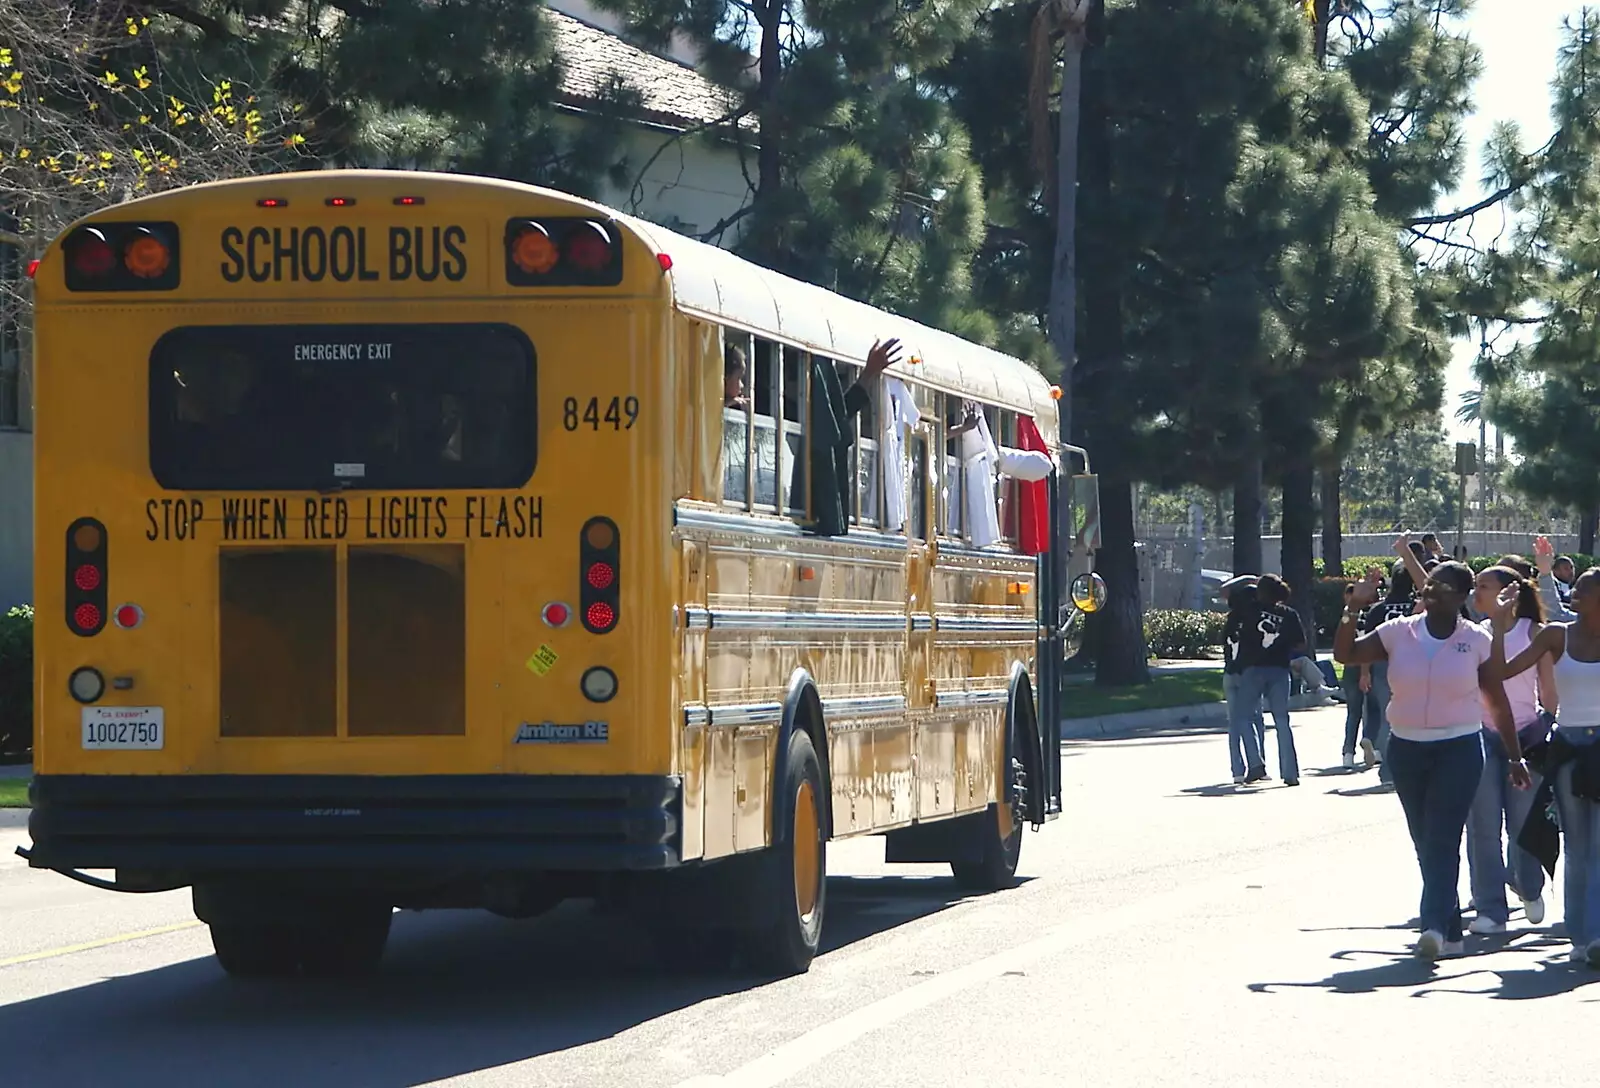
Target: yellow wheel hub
(807, 848)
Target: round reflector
(601, 575)
(128, 616)
(146, 255)
(86, 684)
(599, 684)
(86, 617)
(86, 538)
(588, 247)
(600, 615)
(533, 251)
(87, 578)
(90, 254)
(557, 614)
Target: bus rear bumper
(221, 824)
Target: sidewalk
(16, 770)
(1171, 717)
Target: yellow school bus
(427, 541)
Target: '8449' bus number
(620, 413)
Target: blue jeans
(1360, 709)
(1580, 827)
(1246, 733)
(1492, 867)
(1378, 717)
(1436, 781)
(1260, 681)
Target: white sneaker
(1430, 945)
(1349, 760)
(1592, 953)
(1369, 753)
(1238, 780)
(1534, 909)
(1453, 949)
(1575, 955)
(1485, 924)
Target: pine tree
(862, 179)
(1547, 399)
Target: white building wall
(693, 184)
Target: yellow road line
(103, 942)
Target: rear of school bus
(352, 555)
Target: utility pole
(1466, 465)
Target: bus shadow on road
(458, 993)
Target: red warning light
(601, 615)
(601, 575)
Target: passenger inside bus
(733, 376)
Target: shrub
(1178, 635)
(16, 681)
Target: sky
(1518, 39)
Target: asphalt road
(1169, 930)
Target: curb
(1164, 718)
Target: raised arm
(1347, 648)
(1402, 548)
(1544, 558)
(1549, 641)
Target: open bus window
(953, 507)
(796, 392)
(863, 458)
(765, 396)
(737, 351)
(342, 406)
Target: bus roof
(719, 286)
(723, 287)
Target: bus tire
(351, 944)
(1001, 828)
(248, 951)
(789, 892)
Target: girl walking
(1572, 763)
(1498, 806)
(1440, 682)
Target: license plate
(123, 727)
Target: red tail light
(600, 556)
(340, 202)
(90, 255)
(86, 577)
(588, 247)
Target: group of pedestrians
(1494, 708)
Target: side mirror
(1088, 593)
(1084, 495)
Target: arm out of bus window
(858, 398)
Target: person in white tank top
(1499, 809)
(1575, 649)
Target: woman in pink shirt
(1439, 691)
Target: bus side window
(796, 403)
(736, 403)
(863, 459)
(765, 399)
(953, 507)
(1010, 504)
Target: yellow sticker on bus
(543, 660)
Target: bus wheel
(790, 889)
(347, 945)
(255, 951)
(1002, 839)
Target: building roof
(671, 93)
